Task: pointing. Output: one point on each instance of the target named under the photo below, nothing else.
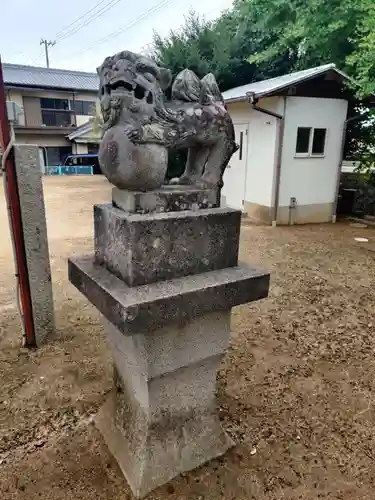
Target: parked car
(83, 160)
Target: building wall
(80, 148)
(82, 119)
(35, 119)
(312, 181)
(261, 154)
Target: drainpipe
(281, 125)
(341, 159)
(74, 110)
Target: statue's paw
(174, 181)
(206, 184)
(134, 134)
(185, 181)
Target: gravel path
(296, 389)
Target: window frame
(55, 111)
(83, 107)
(309, 153)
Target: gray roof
(82, 130)
(32, 76)
(267, 87)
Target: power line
(127, 26)
(36, 58)
(74, 28)
(78, 19)
(88, 20)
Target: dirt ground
(296, 390)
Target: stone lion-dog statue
(141, 124)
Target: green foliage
(362, 59)
(255, 40)
(204, 47)
(314, 32)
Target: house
(290, 132)
(54, 103)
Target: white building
(291, 132)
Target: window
(310, 141)
(303, 140)
(319, 141)
(92, 148)
(86, 108)
(51, 118)
(57, 155)
(59, 104)
(56, 113)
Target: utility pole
(47, 43)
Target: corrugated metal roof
(32, 76)
(267, 87)
(82, 130)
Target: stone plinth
(166, 199)
(161, 417)
(147, 308)
(154, 247)
(165, 284)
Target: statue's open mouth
(136, 90)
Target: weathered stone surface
(140, 125)
(142, 249)
(147, 308)
(30, 190)
(165, 199)
(171, 347)
(161, 419)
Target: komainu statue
(141, 125)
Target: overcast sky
(127, 24)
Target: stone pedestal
(165, 284)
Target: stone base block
(166, 199)
(164, 452)
(142, 249)
(161, 419)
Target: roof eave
(297, 81)
(235, 99)
(20, 86)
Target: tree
(316, 32)
(204, 47)
(362, 59)
(256, 40)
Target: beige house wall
(302, 214)
(80, 148)
(40, 140)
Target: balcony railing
(54, 118)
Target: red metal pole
(15, 212)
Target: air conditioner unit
(14, 112)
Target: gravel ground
(296, 389)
